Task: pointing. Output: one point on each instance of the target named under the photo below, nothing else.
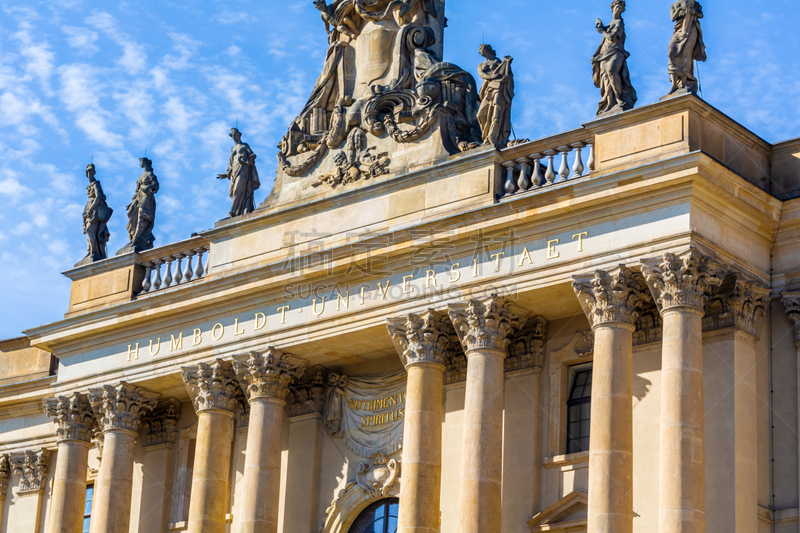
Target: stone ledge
(561, 461)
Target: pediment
(568, 515)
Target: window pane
(575, 412)
(585, 428)
(392, 525)
(85, 525)
(580, 378)
(574, 430)
(573, 446)
(587, 391)
(586, 411)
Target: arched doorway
(380, 517)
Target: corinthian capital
(486, 323)
(268, 374)
(420, 338)
(121, 406)
(737, 303)
(31, 467)
(5, 471)
(791, 301)
(212, 386)
(73, 415)
(609, 297)
(681, 280)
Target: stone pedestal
(74, 421)
(484, 328)
(610, 301)
(214, 389)
(118, 409)
(265, 379)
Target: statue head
(145, 163)
(90, 171)
(322, 5)
(487, 51)
(235, 134)
(618, 7)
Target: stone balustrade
(542, 163)
(173, 265)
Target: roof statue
(497, 93)
(243, 176)
(142, 211)
(610, 66)
(686, 46)
(96, 215)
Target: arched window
(380, 517)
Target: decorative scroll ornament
(121, 406)
(607, 298)
(487, 323)
(420, 338)
(378, 478)
(356, 162)
(527, 348)
(308, 397)
(681, 280)
(267, 375)
(791, 301)
(212, 385)
(736, 303)
(5, 472)
(31, 467)
(162, 426)
(73, 415)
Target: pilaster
(160, 435)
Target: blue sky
(109, 80)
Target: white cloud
(79, 87)
(22, 229)
(82, 39)
(38, 58)
(133, 54)
(229, 18)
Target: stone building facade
(595, 331)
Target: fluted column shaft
(69, 487)
(211, 471)
(484, 328)
(265, 378)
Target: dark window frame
(579, 405)
(366, 520)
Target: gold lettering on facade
(260, 325)
(341, 299)
(407, 288)
(236, 330)
(158, 347)
(314, 306)
(283, 310)
(135, 352)
(454, 270)
(526, 255)
(430, 277)
(363, 290)
(197, 338)
(176, 344)
(384, 291)
(551, 249)
(498, 257)
(214, 331)
(475, 268)
(580, 237)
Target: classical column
(74, 421)
(421, 341)
(610, 301)
(680, 284)
(483, 327)
(118, 409)
(214, 391)
(5, 471)
(265, 378)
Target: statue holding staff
(496, 96)
(610, 66)
(243, 175)
(686, 46)
(96, 215)
(142, 211)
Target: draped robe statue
(610, 66)
(243, 175)
(96, 215)
(142, 211)
(686, 46)
(497, 93)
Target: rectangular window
(87, 508)
(579, 411)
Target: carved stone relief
(31, 467)
(5, 472)
(736, 303)
(527, 347)
(378, 477)
(121, 406)
(421, 338)
(308, 396)
(73, 416)
(615, 296)
(487, 323)
(267, 374)
(212, 385)
(162, 426)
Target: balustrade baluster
(510, 187)
(168, 276)
(524, 182)
(577, 168)
(178, 269)
(208, 257)
(563, 171)
(188, 273)
(146, 284)
(550, 175)
(198, 271)
(590, 162)
(536, 176)
(157, 277)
